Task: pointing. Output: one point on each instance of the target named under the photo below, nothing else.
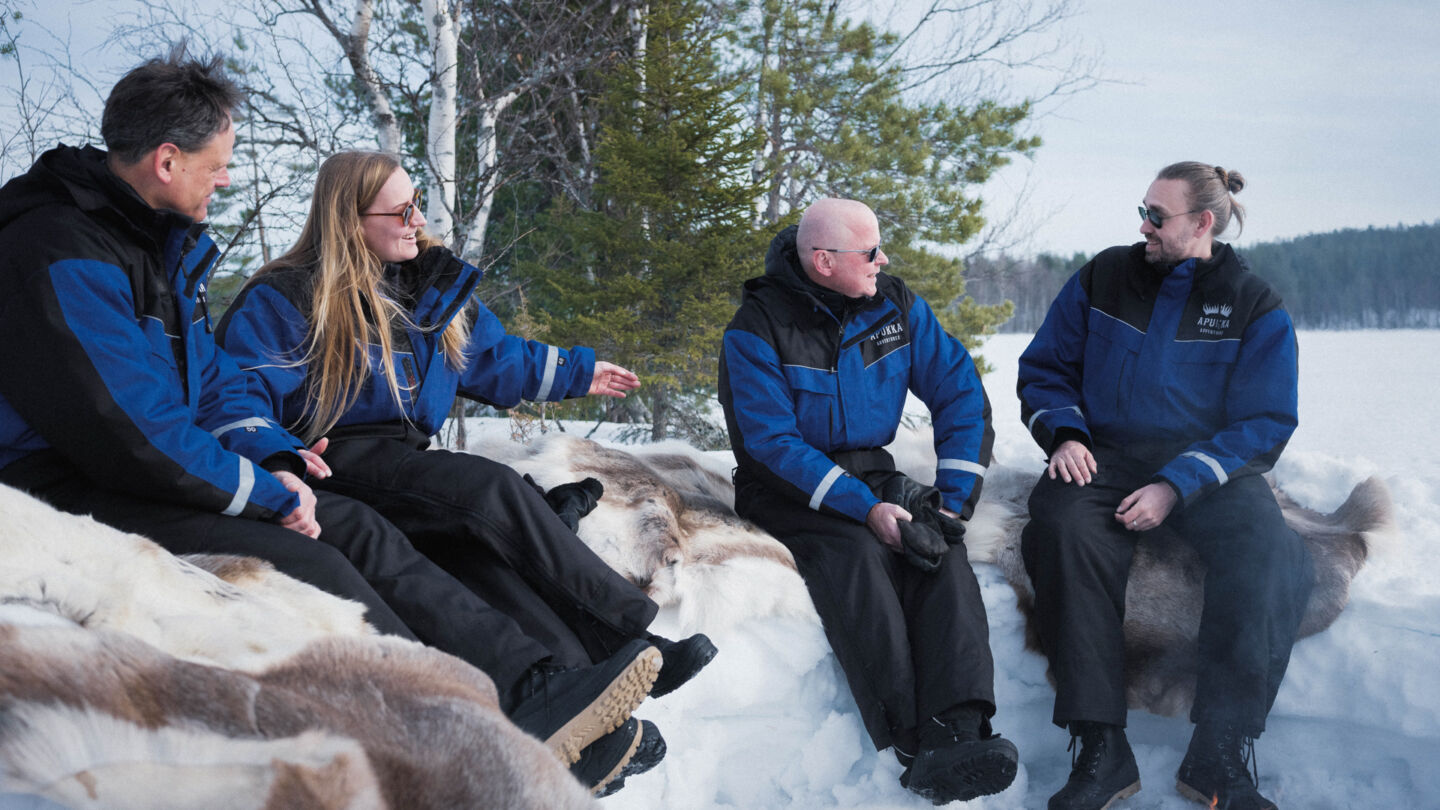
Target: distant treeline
(1375, 278)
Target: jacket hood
(782, 265)
(78, 176)
(782, 260)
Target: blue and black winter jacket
(266, 331)
(805, 372)
(1192, 367)
(106, 354)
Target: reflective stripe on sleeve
(1211, 463)
(552, 359)
(243, 490)
(962, 465)
(255, 422)
(829, 481)
(1030, 426)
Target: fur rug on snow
(134, 679)
(666, 521)
(1165, 592)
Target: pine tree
(652, 271)
(840, 121)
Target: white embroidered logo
(889, 333)
(1214, 318)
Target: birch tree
(469, 93)
(354, 43)
(441, 25)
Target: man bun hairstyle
(1210, 188)
(1233, 181)
(175, 99)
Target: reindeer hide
(134, 679)
(666, 522)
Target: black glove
(924, 503)
(924, 545)
(575, 500)
(902, 490)
(953, 529)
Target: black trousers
(490, 529)
(912, 644)
(359, 555)
(1258, 579)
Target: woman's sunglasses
(405, 216)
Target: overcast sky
(1329, 109)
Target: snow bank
(1357, 723)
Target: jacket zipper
(839, 413)
(204, 301)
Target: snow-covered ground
(770, 724)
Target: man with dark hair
(814, 372)
(116, 402)
(174, 100)
(1161, 385)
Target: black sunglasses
(870, 253)
(1158, 220)
(405, 216)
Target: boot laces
(1085, 758)
(1237, 757)
(536, 681)
(953, 730)
(1247, 757)
(962, 726)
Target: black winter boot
(602, 762)
(568, 709)
(1103, 772)
(646, 756)
(575, 500)
(960, 759)
(1219, 769)
(683, 660)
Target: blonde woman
(361, 339)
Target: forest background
(618, 167)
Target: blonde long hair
(346, 287)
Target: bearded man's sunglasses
(1158, 220)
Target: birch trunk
(642, 42)
(441, 25)
(387, 131)
(486, 157)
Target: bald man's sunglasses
(870, 253)
(405, 216)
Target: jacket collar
(80, 175)
(1221, 254)
(782, 263)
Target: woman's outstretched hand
(611, 380)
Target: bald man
(813, 377)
